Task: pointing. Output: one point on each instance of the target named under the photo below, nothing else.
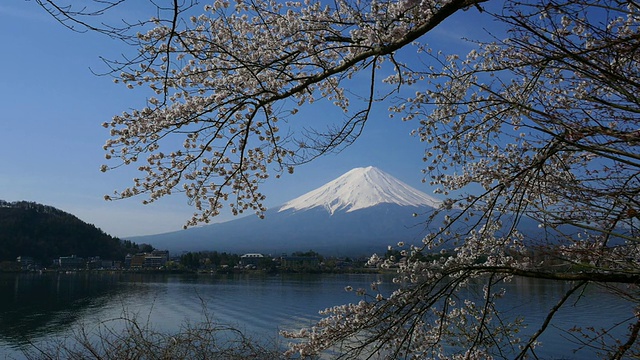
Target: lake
(35, 307)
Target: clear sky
(51, 135)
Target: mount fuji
(361, 188)
(360, 212)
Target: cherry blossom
(543, 120)
(546, 122)
(225, 80)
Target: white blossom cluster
(546, 122)
(434, 314)
(226, 79)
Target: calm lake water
(36, 307)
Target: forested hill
(44, 233)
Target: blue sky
(51, 137)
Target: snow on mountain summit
(361, 188)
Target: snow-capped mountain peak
(361, 188)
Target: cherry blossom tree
(223, 81)
(544, 119)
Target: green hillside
(44, 233)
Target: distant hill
(44, 233)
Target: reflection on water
(591, 306)
(35, 307)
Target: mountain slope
(361, 212)
(343, 233)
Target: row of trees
(196, 260)
(217, 260)
(543, 119)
